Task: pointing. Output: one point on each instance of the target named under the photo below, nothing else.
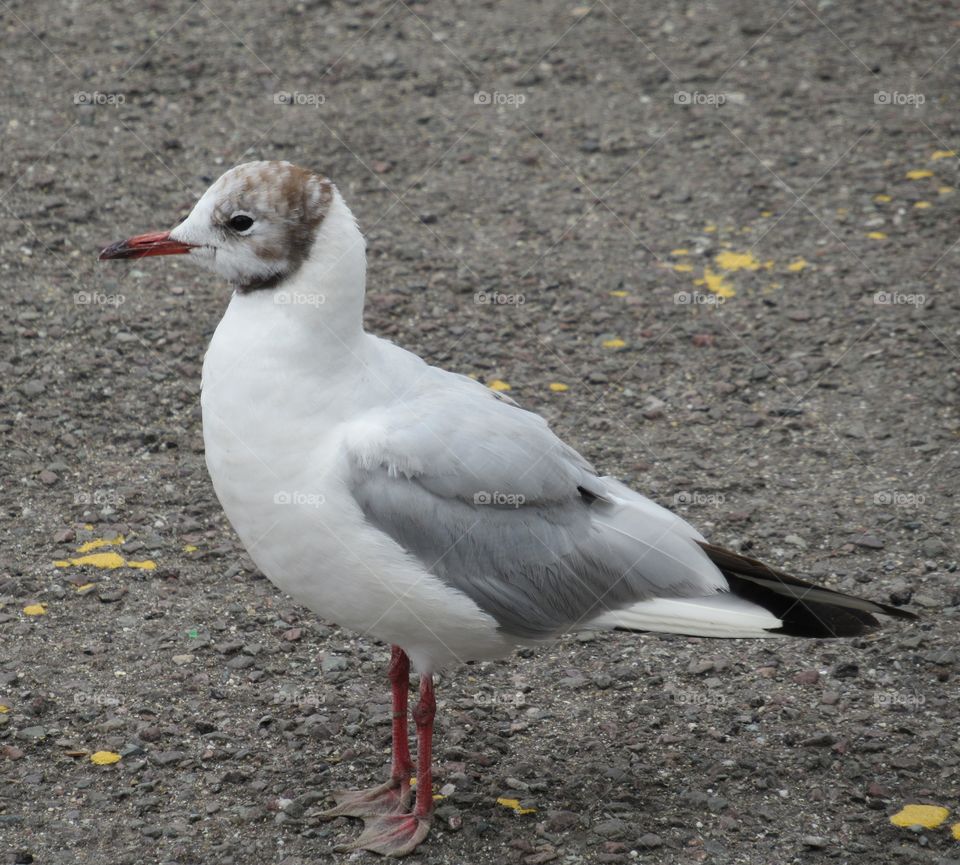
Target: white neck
(311, 321)
(329, 287)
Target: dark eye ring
(240, 222)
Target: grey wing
(490, 501)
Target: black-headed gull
(417, 505)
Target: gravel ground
(554, 195)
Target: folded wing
(490, 501)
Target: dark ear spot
(300, 199)
(309, 197)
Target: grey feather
(490, 501)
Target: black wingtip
(806, 609)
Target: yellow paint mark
(922, 205)
(877, 235)
(918, 174)
(766, 214)
(88, 526)
(104, 758)
(943, 154)
(85, 587)
(4, 709)
(797, 266)
(683, 268)
(842, 211)
(106, 561)
(680, 251)
(616, 342)
(497, 384)
(716, 283)
(145, 565)
(746, 229)
(97, 543)
(955, 831)
(514, 805)
(710, 229)
(734, 261)
(928, 816)
(558, 387)
(619, 292)
(768, 264)
(882, 198)
(190, 548)
(35, 610)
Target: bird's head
(256, 226)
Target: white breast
(274, 411)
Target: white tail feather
(720, 615)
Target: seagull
(417, 505)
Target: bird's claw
(390, 835)
(389, 798)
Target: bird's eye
(240, 222)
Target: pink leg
(394, 795)
(423, 715)
(399, 832)
(399, 675)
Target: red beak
(157, 243)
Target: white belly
(280, 476)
